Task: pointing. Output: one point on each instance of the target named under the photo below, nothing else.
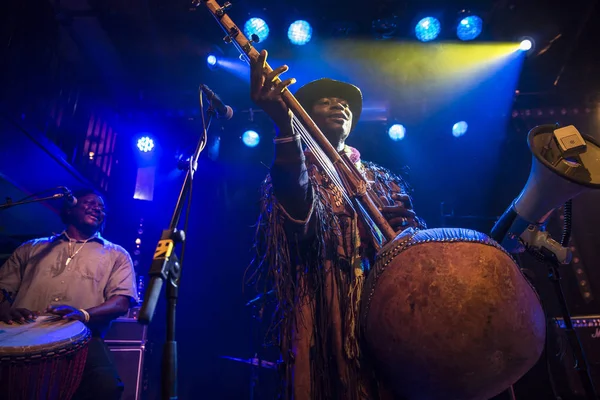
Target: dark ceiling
(162, 44)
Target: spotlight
(300, 32)
(396, 132)
(428, 29)
(258, 27)
(145, 144)
(526, 45)
(251, 138)
(211, 61)
(459, 129)
(469, 27)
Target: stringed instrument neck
(353, 181)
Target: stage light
(459, 129)
(211, 61)
(526, 45)
(428, 29)
(396, 132)
(251, 138)
(469, 27)
(258, 27)
(145, 144)
(300, 32)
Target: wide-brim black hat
(308, 94)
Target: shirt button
(56, 299)
(62, 281)
(68, 269)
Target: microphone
(69, 198)
(223, 110)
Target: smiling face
(88, 214)
(333, 116)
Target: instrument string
(323, 160)
(336, 178)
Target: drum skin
(43, 359)
(447, 314)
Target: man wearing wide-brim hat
(312, 247)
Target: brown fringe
(279, 263)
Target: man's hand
(400, 215)
(67, 312)
(267, 95)
(19, 315)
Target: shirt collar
(97, 237)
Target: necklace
(72, 251)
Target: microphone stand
(581, 363)
(254, 372)
(9, 204)
(166, 267)
(539, 242)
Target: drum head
(45, 335)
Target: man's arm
(111, 309)
(289, 177)
(101, 314)
(10, 282)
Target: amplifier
(126, 331)
(588, 331)
(129, 361)
(126, 339)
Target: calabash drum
(447, 314)
(43, 359)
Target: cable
(567, 223)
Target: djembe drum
(43, 359)
(447, 314)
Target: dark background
(74, 72)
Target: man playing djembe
(78, 275)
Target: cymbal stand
(254, 367)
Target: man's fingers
(273, 75)
(257, 74)
(23, 313)
(400, 197)
(399, 211)
(404, 198)
(399, 222)
(73, 315)
(284, 84)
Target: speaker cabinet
(588, 331)
(126, 340)
(129, 361)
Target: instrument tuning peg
(226, 6)
(254, 38)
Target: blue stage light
(459, 128)
(251, 138)
(469, 27)
(211, 60)
(526, 45)
(258, 27)
(145, 144)
(428, 29)
(300, 32)
(396, 132)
